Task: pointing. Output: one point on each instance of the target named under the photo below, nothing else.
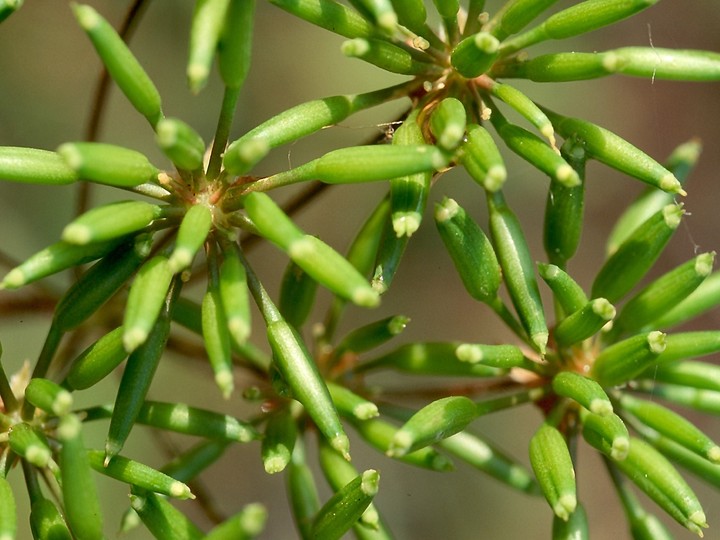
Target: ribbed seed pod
(481, 158)
(207, 24)
(584, 323)
(234, 294)
(8, 517)
(215, 330)
(235, 45)
(526, 107)
(702, 299)
(556, 67)
(624, 268)
(608, 434)
(110, 221)
(31, 445)
(193, 230)
(120, 63)
(245, 525)
(518, 271)
(694, 374)
(447, 123)
(279, 440)
(371, 335)
(49, 396)
(698, 399)
(34, 166)
(385, 55)
(497, 356)
(700, 466)
(475, 54)
(584, 391)
(163, 520)
(349, 403)
(271, 221)
(565, 289)
(97, 361)
(389, 254)
(551, 461)
(330, 15)
(517, 14)
(46, 522)
(297, 295)
(304, 499)
(628, 358)
(180, 143)
(660, 63)
(108, 164)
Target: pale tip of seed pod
(77, 233)
(13, 279)
(397, 324)
(180, 259)
(70, 154)
(698, 518)
(388, 21)
(656, 341)
(225, 382)
(547, 131)
(486, 42)
(406, 223)
(365, 411)
(341, 444)
(671, 184)
(567, 176)
(63, 403)
(420, 43)
(610, 61)
(369, 482)
(714, 454)
(469, 353)
(355, 47)
(704, 263)
(401, 441)
(672, 215)
(604, 309)
(69, 427)
(37, 455)
(179, 490)
(275, 464)
(133, 338)
(601, 407)
(439, 160)
(86, 16)
(366, 296)
(239, 329)
(620, 448)
(565, 506)
(371, 518)
(112, 449)
(495, 178)
(446, 210)
(441, 463)
(197, 75)
(451, 136)
(540, 340)
(137, 502)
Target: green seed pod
(551, 461)
(608, 434)
(626, 359)
(698, 399)
(481, 158)
(33, 166)
(8, 517)
(110, 221)
(617, 153)
(488, 459)
(575, 528)
(53, 259)
(193, 230)
(301, 375)
(147, 295)
(330, 15)
(671, 64)
(46, 522)
(411, 14)
(344, 508)
(701, 375)
(108, 164)
(565, 289)
(526, 107)
(297, 295)
(702, 299)
(497, 356)
(139, 371)
(557, 67)
(349, 403)
(517, 14)
(371, 335)
(271, 221)
(180, 143)
(431, 358)
(408, 194)
(49, 396)
(535, 151)
(584, 391)
(99, 283)
(385, 55)
(379, 434)
(234, 294)
(139, 475)
(163, 520)
(207, 24)
(235, 46)
(659, 479)
(624, 268)
(279, 440)
(31, 445)
(673, 426)
(304, 499)
(700, 466)
(434, 422)
(516, 263)
(122, 66)
(680, 163)
(82, 505)
(584, 323)
(215, 331)
(475, 54)
(97, 361)
(389, 254)
(245, 525)
(564, 209)
(664, 293)
(447, 123)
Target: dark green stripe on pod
(304, 499)
(566, 291)
(97, 361)
(234, 48)
(207, 24)
(31, 445)
(626, 359)
(33, 166)
(120, 63)
(584, 323)
(330, 15)
(385, 55)
(551, 461)
(608, 434)
(475, 54)
(110, 221)
(108, 164)
(481, 158)
(297, 295)
(625, 268)
(49, 396)
(163, 520)
(180, 143)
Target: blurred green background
(47, 75)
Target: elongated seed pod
(304, 499)
(49, 396)
(163, 520)
(575, 528)
(147, 295)
(447, 123)
(664, 293)
(624, 269)
(411, 13)
(279, 440)
(628, 358)
(433, 423)
(556, 67)
(565, 289)
(385, 55)
(297, 295)
(695, 398)
(110, 221)
(688, 373)
(516, 263)
(271, 221)
(46, 522)
(234, 294)
(698, 465)
(517, 14)
(208, 20)
(180, 143)
(31, 445)
(551, 461)
(497, 356)
(330, 15)
(702, 299)
(108, 164)
(583, 390)
(526, 107)
(349, 403)
(389, 254)
(8, 517)
(120, 63)
(97, 361)
(608, 434)
(301, 374)
(475, 54)
(584, 323)
(245, 525)
(481, 158)
(34, 166)
(139, 475)
(661, 63)
(371, 335)
(235, 45)
(193, 230)
(673, 426)
(659, 479)
(82, 505)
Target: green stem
(227, 112)
(52, 341)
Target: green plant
(584, 374)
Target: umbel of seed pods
(583, 368)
